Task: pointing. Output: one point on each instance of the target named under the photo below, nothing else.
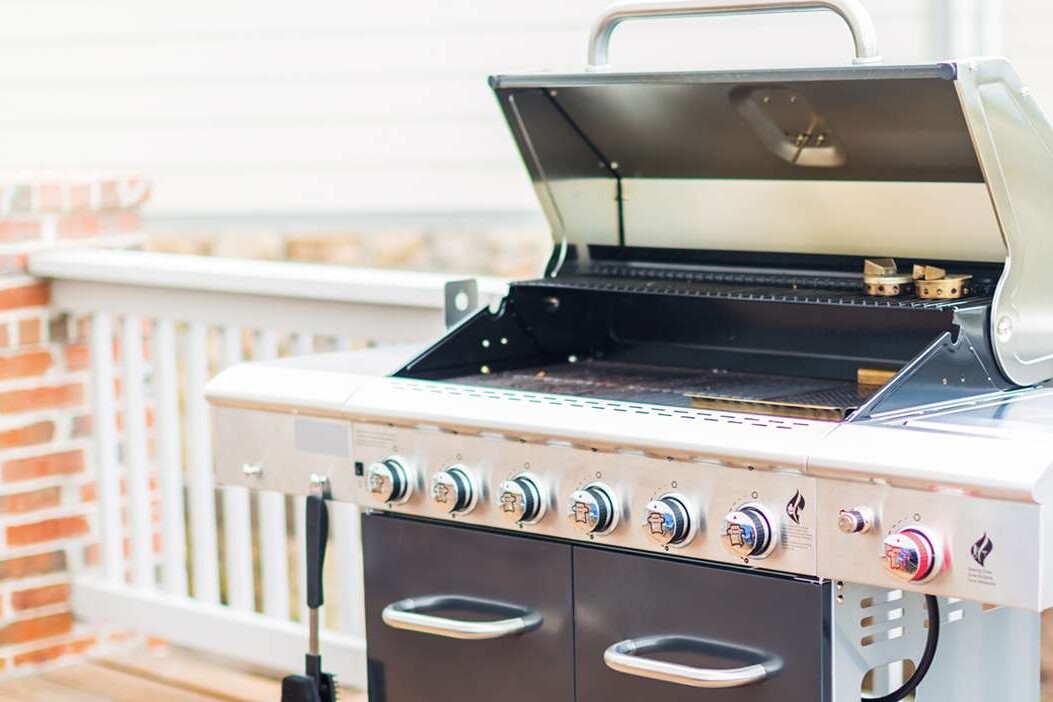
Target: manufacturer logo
(376, 483)
(581, 512)
(657, 523)
(795, 506)
(508, 502)
(737, 536)
(982, 549)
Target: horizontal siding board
(72, 20)
(367, 143)
(377, 53)
(200, 103)
(437, 188)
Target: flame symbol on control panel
(982, 549)
(795, 506)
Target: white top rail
(282, 296)
(247, 276)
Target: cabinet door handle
(626, 657)
(411, 615)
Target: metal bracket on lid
(851, 11)
(461, 300)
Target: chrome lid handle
(410, 615)
(625, 657)
(851, 11)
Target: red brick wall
(47, 491)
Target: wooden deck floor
(163, 675)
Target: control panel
(942, 543)
(753, 517)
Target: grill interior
(748, 338)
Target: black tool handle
(300, 688)
(317, 536)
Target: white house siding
(334, 106)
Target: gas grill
(727, 446)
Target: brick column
(47, 508)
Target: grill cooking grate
(684, 387)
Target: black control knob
(857, 520)
(593, 510)
(667, 521)
(452, 491)
(519, 500)
(750, 532)
(388, 481)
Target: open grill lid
(947, 162)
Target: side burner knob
(750, 532)
(593, 510)
(519, 500)
(858, 520)
(388, 481)
(667, 521)
(913, 554)
(452, 491)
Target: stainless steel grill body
(709, 230)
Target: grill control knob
(750, 532)
(667, 521)
(452, 491)
(388, 481)
(592, 509)
(519, 500)
(913, 554)
(858, 520)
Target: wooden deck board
(164, 675)
(120, 687)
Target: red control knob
(913, 554)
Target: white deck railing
(174, 321)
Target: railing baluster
(136, 464)
(104, 422)
(237, 514)
(347, 538)
(204, 554)
(274, 547)
(304, 346)
(170, 459)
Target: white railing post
(347, 537)
(104, 423)
(169, 459)
(274, 546)
(136, 465)
(204, 553)
(237, 512)
(304, 346)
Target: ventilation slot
(657, 411)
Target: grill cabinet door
(412, 559)
(728, 620)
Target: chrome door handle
(410, 615)
(625, 657)
(851, 11)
